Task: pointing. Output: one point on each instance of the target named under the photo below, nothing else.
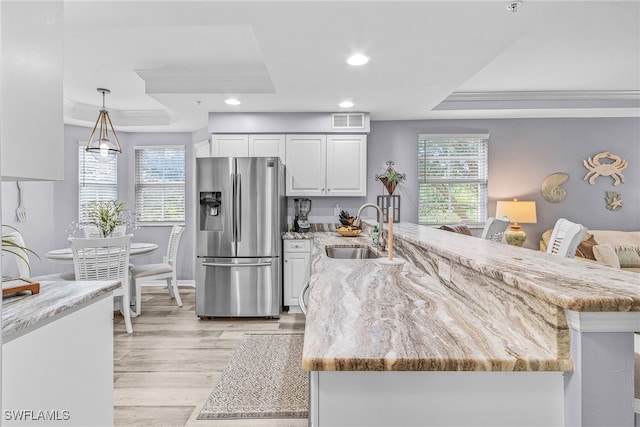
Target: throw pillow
(460, 228)
(606, 255)
(585, 248)
(629, 256)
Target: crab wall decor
(613, 169)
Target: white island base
(427, 398)
(61, 373)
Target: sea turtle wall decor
(552, 189)
(613, 169)
(614, 200)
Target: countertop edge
(56, 299)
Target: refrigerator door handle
(234, 216)
(226, 264)
(239, 207)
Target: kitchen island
(57, 355)
(468, 332)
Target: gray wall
(522, 152)
(52, 206)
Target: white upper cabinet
(242, 145)
(202, 149)
(346, 165)
(306, 165)
(32, 131)
(267, 146)
(326, 165)
(230, 146)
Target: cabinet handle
(286, 260)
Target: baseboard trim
(184, 283)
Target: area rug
(264, 379)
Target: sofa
(617, 249)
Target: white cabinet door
(346, 165)
(230, 146)
(297, 269)
(202, 149)
(306, 165)
(32, 130)
(267, 146)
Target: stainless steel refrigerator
(242, 216)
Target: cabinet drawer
(297, 245)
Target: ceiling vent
(347, 120)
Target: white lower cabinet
(62, 372)
(297, 269)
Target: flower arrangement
(107, 215)
(390, 178)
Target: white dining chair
(91, 232)
(494, 228)
(565, 238)
(120, 230)
(162, 271)
(105, 259)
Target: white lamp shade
(517, 211)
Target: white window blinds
(160, 185)
(452, 179)
(97, 181)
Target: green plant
(390, 178)
(107, 215)
(11, 246)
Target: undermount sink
(350, 252)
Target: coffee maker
(301, 208)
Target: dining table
(65, 256)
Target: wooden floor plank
(166, 369)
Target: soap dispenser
(374, 235)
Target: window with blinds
(160, 188)
(97, 181)
(452, 179)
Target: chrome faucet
(357, 221)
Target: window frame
(481, 180)
(138, 185)
(82, 156)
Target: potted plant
(107, 215)
(390, 178)
(11, 246)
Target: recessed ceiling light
(357, 59)
(346, 104)
(232, 101)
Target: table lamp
(517, 211)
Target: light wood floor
(167, 368)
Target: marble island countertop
(365, 315)
(23, 313)
(569, 283)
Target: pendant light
(103, 149)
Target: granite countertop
(23, 313)
(568, 283)
(365, 315)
